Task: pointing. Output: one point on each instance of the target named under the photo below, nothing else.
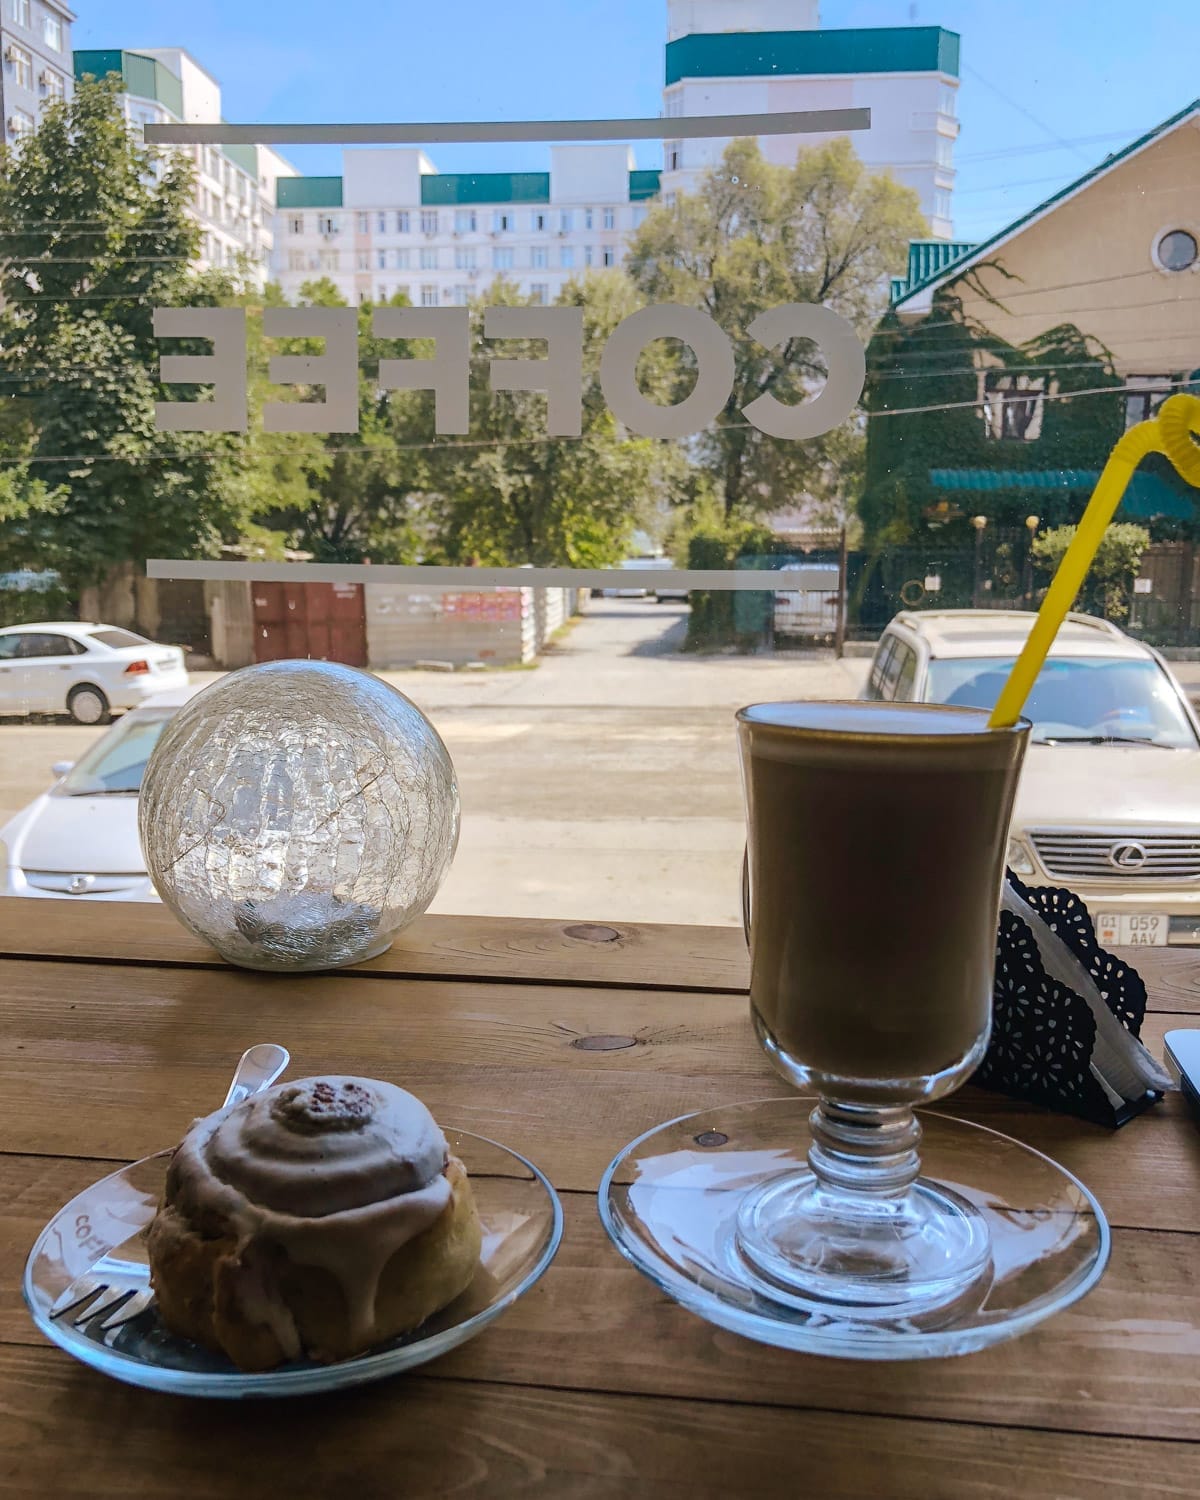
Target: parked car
(634, 565)
(80, 839)
(84, 670)
(1109, 801)
(813, 609)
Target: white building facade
(393, 224)
(757, 56)
(35, 62)
(236, 186)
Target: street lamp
(980, 525)
(1031, 525)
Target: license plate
(1132, 931)
(164, 663)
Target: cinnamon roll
(316, 1219)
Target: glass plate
(522, 1225)
(670, 1200)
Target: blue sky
(1049, 87)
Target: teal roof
(485, 187)
(978, 252)
(439, 189)
(308, 192)
(144, 76)
(928, 258)
(751, 54)
(1148, 493)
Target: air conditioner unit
(11, 52)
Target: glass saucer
(522, 1226)
(670, 1203)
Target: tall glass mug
(876, 842)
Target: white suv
(63, 666)
(1109, 802)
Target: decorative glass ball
(297, 814)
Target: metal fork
(116, 1288)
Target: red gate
(321, 621)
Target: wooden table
(564, 1041)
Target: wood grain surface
(595, 1384)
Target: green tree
(1108, 587)
(824, 230)
(97, 234)
(512, 495)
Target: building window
(610, 218)
(941, 205)
(539, 293)
(54, 85)
(428, 259)
(364, 223)
(566, 256)
(295, 260)
(946, 102)
(673, 155)
(18, 11)
(944, 152)
(464, 257)
(588, 255)
(502, 260)
(608, 255)
(402, 221)
(381, 260)
(429, 296)
(21, 124)
(329, 260)
(503, 220)
(537, 258)
(587, 218)
(1013, 406)
(566, 221)
(22, 66)
(429, 221)
(464, 221)
(52, 31)
(381, 223)
(328, 224)
(1177, 250)
(400, 260)
(669, 200)
(381, 294)
(462, 296)
(537, 220)
(1145, 394)
(364, 261)
(639, 215)
(674, 104)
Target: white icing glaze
(337, 1172)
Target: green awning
(1148, 494)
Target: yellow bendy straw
(1175, 432)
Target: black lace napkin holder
(1051, 1042)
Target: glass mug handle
(746, 893)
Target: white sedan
(84, 670)
(80, 838)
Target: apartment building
(392, 223)
(757, 56)
(35, 50)
(236, 186)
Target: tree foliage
(1109, 584)
(97, 234)
(824, 230)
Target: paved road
(601, 784)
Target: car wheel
(88, 705)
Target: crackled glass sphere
(297, 814)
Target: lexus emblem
(1127, 856)
(81, 883)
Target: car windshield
(118, 638)
(116, 763)
(1097, 699)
